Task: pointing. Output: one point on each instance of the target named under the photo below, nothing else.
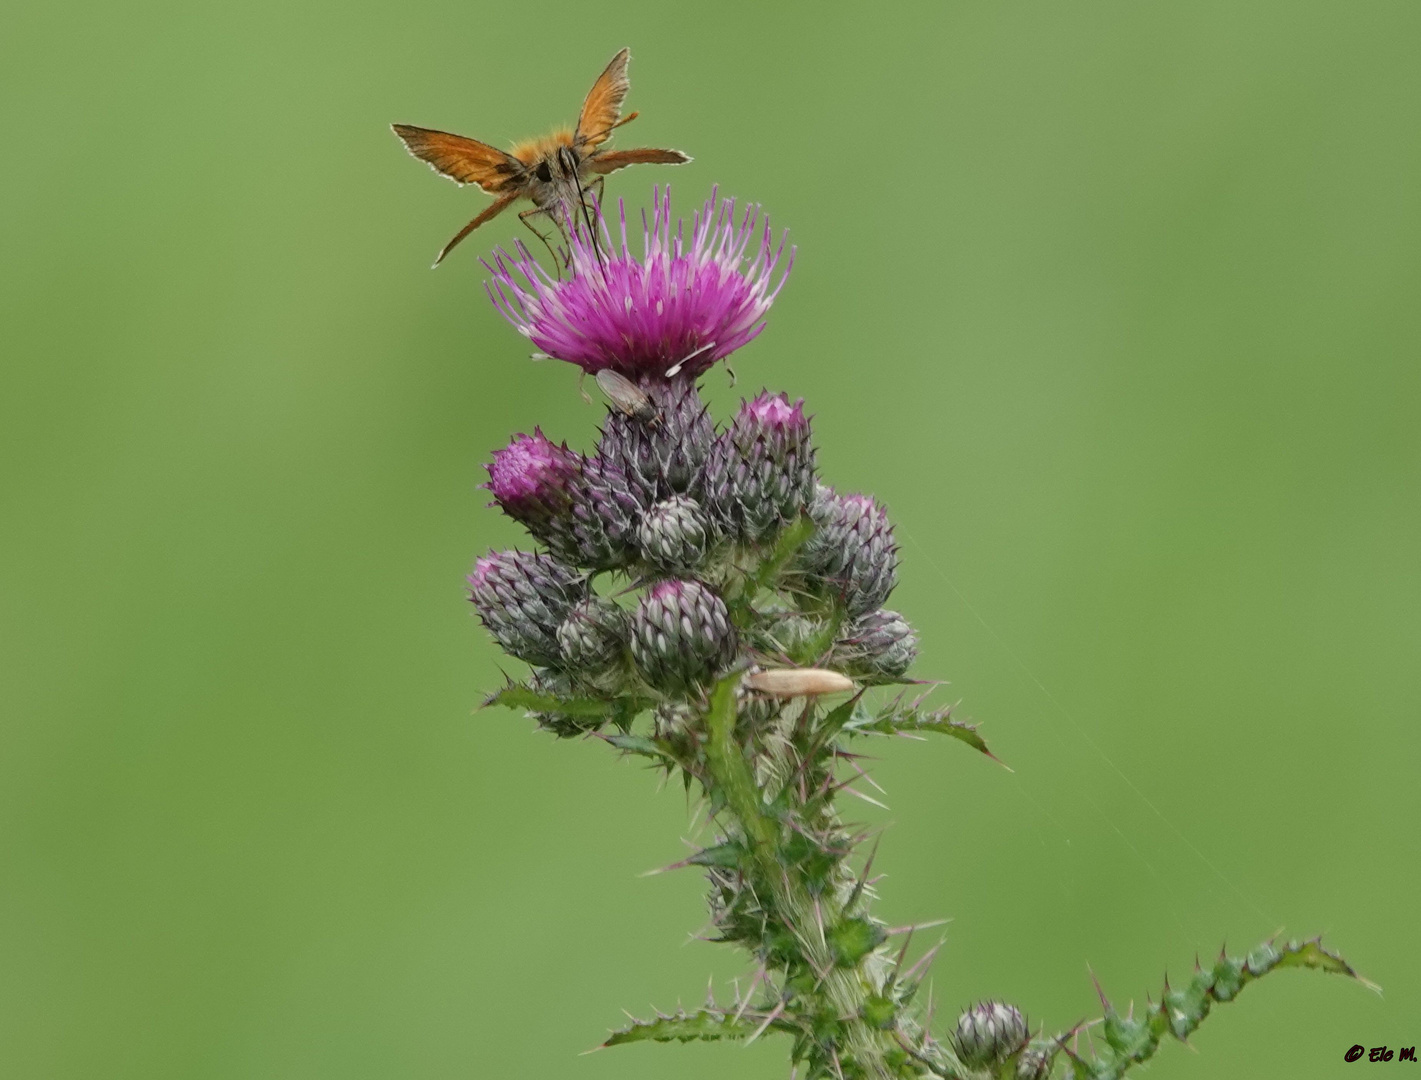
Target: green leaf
(1179, 1012)
(703, 1024)
(518, 696)
(727, 856)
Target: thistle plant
(700, 600)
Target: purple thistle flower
(680, 307)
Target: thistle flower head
(531, 478)
(683, 304)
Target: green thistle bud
(593, 640)
(1035, 1062)
(853, 550)
(682, 636)
(880, 644)
(604, 516)
(761, 471)
(989, 1032)
(675, 534)
(522, 598)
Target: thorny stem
(810, 918)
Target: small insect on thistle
(550, 171)
(627, 397)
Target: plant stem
(838, 994)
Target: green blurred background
(1115, 304)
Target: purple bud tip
(774, 411)
(529, 466)
(663, 589)
(482, 568)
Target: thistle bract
(682, 636)
(675, 534)
(665, 456)
(761, 473)
(680, 306)
(593, 641)
(604, 516)
(522, 598)
(880, 644)
(853, 549)
(989, 1032)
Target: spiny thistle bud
(761, 473)
(879, 644)
(593, 639)
(1035, 1062)
(531, 480)
(853, 549)
(675, 534)
(667, 456)
(604, 517)
(989, 1032)
(522, 598)
(682, 636)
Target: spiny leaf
(519, 696)
(727, 856)
(899, 717)
(681, 1026)
(1130, 1041)
(643, 746)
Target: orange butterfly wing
(603, 107)
(466, 161)
(620, 159)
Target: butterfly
(552, 172)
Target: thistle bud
(853, 549)
(675, 534)
(880, 644)
(1035, 1062)
(761, 471)
(532, 481)
(522, 598)
(989, 1032)
(593, 640)
(664, 456)
(682, 636)
(604, 517)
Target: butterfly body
(552, 172)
